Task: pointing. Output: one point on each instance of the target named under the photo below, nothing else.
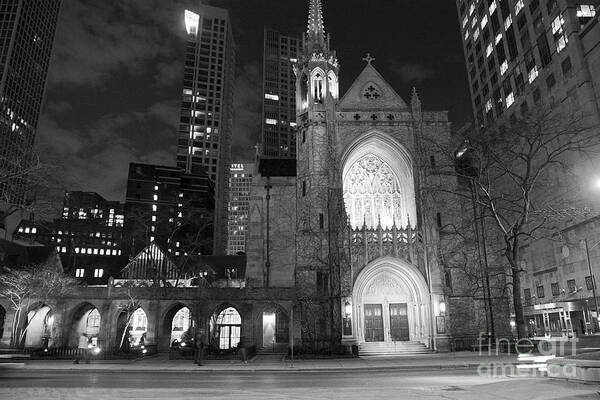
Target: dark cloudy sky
(115, 79)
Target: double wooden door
(398, 322)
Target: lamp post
(587, 254)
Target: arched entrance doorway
(132, 327)
(40, 322)
(86, 320)
(226, 328)
(391, 303)
(178, 323)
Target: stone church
(342, 244)
(345, 226)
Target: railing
(368, 244)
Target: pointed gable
(371, 92)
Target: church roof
(277, 167)
(370, 91)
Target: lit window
(89, 251)
(271, 121)
(95, 251)
(79, 272)
(489, 50)
(155, 187)
(114, 252)
(180, 195)
(471, 9)
(484, 21)
(503, 67)
(269, 96)
(476, 34)
(585, 10)
(98, 273)
(465, 20)
(21, 229)
(498, 38)
(467, 34)
(519, 6)
(77, 250)
(474, 22)
(155, 197)
(153, 207)
(488, 105)
(560, 39)
(492, 7)
(533, 74)
(507, 22)
(151, 239)
(154, 218)
(64, 250)
(152, 228)
(33, 230)
(510, 99)
(101, 252)
(27, 230)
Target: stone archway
(39, 326)
(273, 328)
(177, 326)
(86, 319)
(391, 303)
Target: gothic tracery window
(372, 194)
(317, 91)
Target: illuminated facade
(204, 138)
(279, 94)
(28, 28)
(240, 180)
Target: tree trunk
(518, 304)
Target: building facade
(204, 138)
(279, 94)
(28, 28)
(169, 207)
(342, 245)
(240, 179)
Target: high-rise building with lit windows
(204, 138)
(27, 30)
(521, 54)
(240, 182)
(169, 207)
(279, 94)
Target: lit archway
(86, 320)
(40, 322)
(227, 328)
(181, 325)
(378, 183)
(275, 328)
(132, 328)
(391, 303)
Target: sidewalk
(459, 360)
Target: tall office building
(521, 54)
(240, 181)
(279, 95)
(27, 30)
(204, 139)
(166, 206)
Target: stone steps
(378, 349)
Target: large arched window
(304, 92)
(229, 325)
(378, 183)
(317, 86)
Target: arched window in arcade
(373, 194)
(332, 84)
(229, 326)
(139, 327)
(317, 87)
(181, 324)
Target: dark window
(321, 221)
(571, 286)
(322, 283)
(303, 188)
(555, 289)
(303, 136)
(533, 6)
(551, 6)
(550, 81)
(432, 161)
(439, 220)
(536, 95)
(566, 66)
(589, 283)
(527, 295)
(448, 276)
(544, 49)
(524, 107)
(540, 292)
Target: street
(359, 384)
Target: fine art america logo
(533, 357)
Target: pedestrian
(199, 349)
(83, 350)
(242, 350)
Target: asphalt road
(463, 384)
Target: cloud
(59, 107)
(412, 72)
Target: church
(343, 243)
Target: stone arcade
(341, 248)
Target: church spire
(316, 28)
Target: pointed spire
(316, 27)
(415, 98)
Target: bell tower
(318, 175)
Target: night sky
(114, 83)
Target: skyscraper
(279, 94)
(524, 53)
(240, 181)
(26, 39)
(204, 140)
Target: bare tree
(520, 172)
(129, 309)
(34, 284)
